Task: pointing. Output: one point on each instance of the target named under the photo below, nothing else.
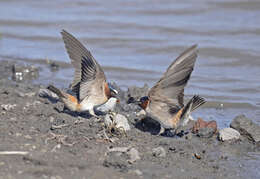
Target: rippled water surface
(141, 38)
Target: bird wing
(77, 51)
(170, 88)
(162, 111)
(92, 79)
(87, 72)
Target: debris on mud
(204, 129)
(246, 127)
(21, 73)
(228, 134)
(76, 145)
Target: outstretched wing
(87, 71)
(170, 88)
(92, 79)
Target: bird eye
(143, 99)
(130, 100)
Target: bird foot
(162, 130)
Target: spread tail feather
(195, 102)
(56, 91)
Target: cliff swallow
(164, 102)
(89, 81)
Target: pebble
(20, 73)
(228, 134)
(108, 120)
(246, 127)
(47, 93)
(118, 149)
(159, 152)
(8, 107)
(121, 122)
(188, 136)
(133, 155)
(206, 132)
(204, 128)
(137, 172)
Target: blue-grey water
(136, 41)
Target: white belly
(85, 106)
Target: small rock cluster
(119, 121)
(204, 129)
(21, 73)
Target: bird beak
(113, 91)
(132, 100)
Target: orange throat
(107, 91)
(144, 104)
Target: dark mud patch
(62, 145)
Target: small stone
(118, 149)
(121, 122)
(137, 172)
(56, 177)
(159, 152)
(18, 134)
(54, 66)
(208, 128)
(108, 120)
(206, 132)
(27, 137)
(51, 119)
(20, 73)
(117, 162)
(8, 107)
(30, 94)
(246, 127)
(133, 155)
(44, 93)
(228, 134)
(188, 136)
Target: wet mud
(59, 144)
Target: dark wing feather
(76, 52)
(170, 88)
(87, 70)
(92, 80)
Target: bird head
(111, 92)
(142, 102)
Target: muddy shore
(64, 145)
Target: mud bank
(64, 145)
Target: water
(136, 41)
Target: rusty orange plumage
(164, 102)
(89, 81)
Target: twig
(106, 137)
(13, 153)
(59, 126)
(60, 139)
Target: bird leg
(92, 113)
(162, 130)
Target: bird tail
(56, 91)
(195, 102)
